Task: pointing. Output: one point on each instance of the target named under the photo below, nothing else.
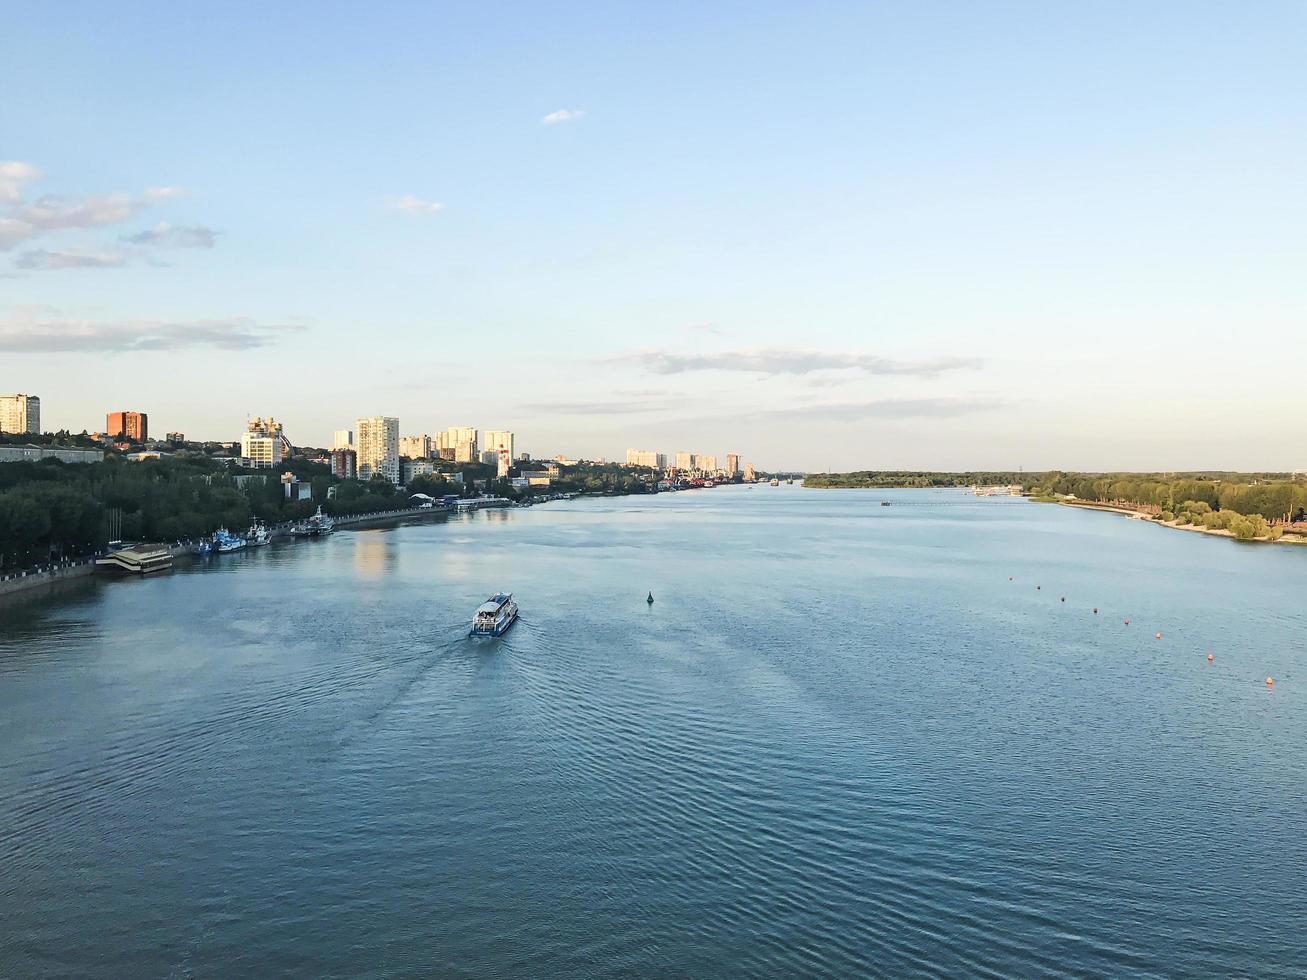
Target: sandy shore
(1197, 529)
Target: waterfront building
(377, 440)
(706, 464)
(749, 476)
(20, 414)
(647, 458)
(415, 447)
(133, 426)
(732, 464)
(686, 461)
(538, 478)
(343, 439)
(344, 463)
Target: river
(845, 739)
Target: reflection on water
(841, 742)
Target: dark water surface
(841, 742)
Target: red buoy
(1127, 622)
(1209, 658)
(1157, 636)
(1269, 682)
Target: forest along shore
(1285, 537)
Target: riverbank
(1141, 515)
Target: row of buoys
(1270, 681)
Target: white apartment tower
(344, 439)
(494, 441)
(377, 445)
(463, 440)
(20, 414)
(264, 443)
(646, 457)
(415, 447)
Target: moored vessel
(494, 616)
(224, 540)
(319, 523)
(258, 534)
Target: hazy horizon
(835, 238)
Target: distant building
(296, 489)
(18, 454)
(409, 468)
(646, 457)
(343, 439)
(732, 464)
(706, 464)
(686, 461)
(462, 439)
(496, 440)
(748, 473)
(415, 447)
(133, 426)
(524, 457)
(264, 443)
(344, 464)
(377, 439)
(537, 478)
(20, 414)
(176, 438)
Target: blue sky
(825, 235)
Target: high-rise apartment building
(748, 473)
(377, 439)
(344, 464)
(495, 440)
(706, 464)
(686, 461)
(343, 439)
(134, 426)
(732, 464)
(176, 438)
(646, 457)
(462, 439)
(20, 413)
(415, 447)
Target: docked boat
(140, 560)
(776, 483)
(319, 524)
(224, 541)
(258, 534)
(495, 615)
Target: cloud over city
(40, 330)
(788, 361)
(42, 259)
(165, 235)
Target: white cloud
(22, 220)
(165, 235)
(562, 116)
(416, 205)
(789, 361)
(42, 259)
(39, 330)
(13, 175)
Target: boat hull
(499, 629)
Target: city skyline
(878, 248)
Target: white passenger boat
(495, 615)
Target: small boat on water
(258, 534)
(494, 616)
(204, 548)
(224, 541)
(319, 524)
(776, 483)
(884, 503)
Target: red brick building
(127, 425)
